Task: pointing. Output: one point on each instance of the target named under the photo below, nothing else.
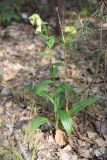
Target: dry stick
(101, 49)
(65, 55)
(105, 75)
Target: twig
(101, 48)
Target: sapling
(62, 115)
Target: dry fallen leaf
(60, 137)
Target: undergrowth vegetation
(59, 94)
(9, 11)
(57, 100)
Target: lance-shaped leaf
(46, 95)
(50, 41)
(79, 106)
(57, 103)
(60, 89)
(59, 97)
(43, 53)
(36, 123)
(58, 64)
(66, 121)
(41, 87)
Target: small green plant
(56, 94)
(9, 12)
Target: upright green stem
(53, 78)
(65, 55)
(57, 121)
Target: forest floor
(20, 68)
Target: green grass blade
(79, 106)
(66, 121)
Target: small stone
(5, 92)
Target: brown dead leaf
(60, 137)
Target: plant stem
(65, 55)
(57, 121)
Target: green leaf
(79, 106)
(60, 89)
(50, 41)
(46, 95)
(36, 123)
(66, 121)
(59, 97)
(57, 104)
(43, 53)
(41, 87)
(40, 90)
(54, 71)
(57, 64)
(44, 84)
